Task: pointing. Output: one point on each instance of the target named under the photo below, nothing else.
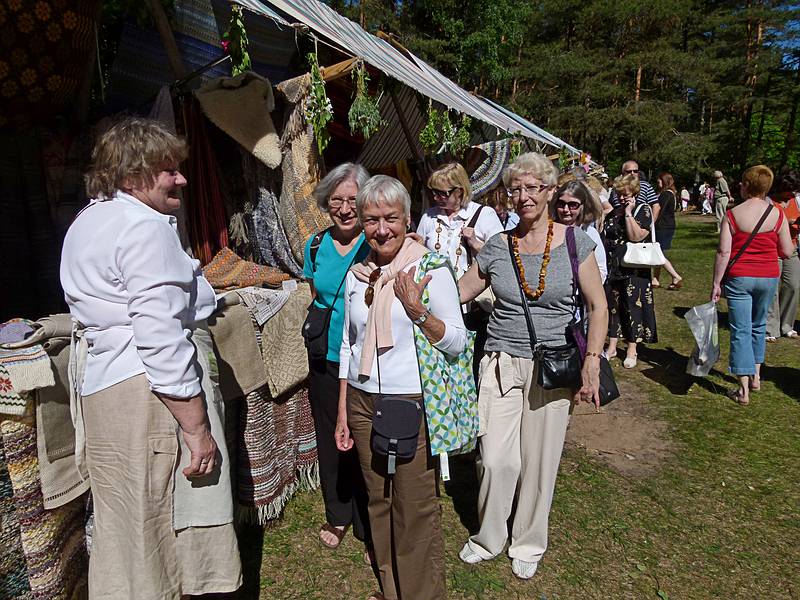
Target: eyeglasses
(337, 202)
(369, 293)
(630, 171)
(570, 205)
(530, 190)
(442, 193)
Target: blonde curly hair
(131, 153)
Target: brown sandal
(737, 397)
(339, 533)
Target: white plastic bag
(703, 323)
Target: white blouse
(399, 369)
(449, 235)
(127, 280)
(599, 251)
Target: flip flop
(737, 397)
(339, 533)
(675, 285)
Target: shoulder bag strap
(471, 223)
(747, 242)
(652, 221)
(525, 308)
(572, 249)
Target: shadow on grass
(668, 369)
(786, 379)
(722, 317)
(463, 490)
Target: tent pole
(404, 126)
(167, 38)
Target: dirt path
(625, 434)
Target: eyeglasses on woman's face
(528, 190)
(369, 293)
(572, 205)
(436, 193)
(336, 202)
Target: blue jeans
(749, 299)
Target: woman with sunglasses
(389, 325)
(455, 225)
(522, 425)
(631, 309)
(328, 256)
(574, 204)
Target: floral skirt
(631, 310)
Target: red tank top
(760, 258)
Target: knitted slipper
(339, 533)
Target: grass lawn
(718, 518)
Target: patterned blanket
(228, 271)
(13, 571)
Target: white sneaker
(523, 569)
(468, 556)
(792, 334)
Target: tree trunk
(167, 38)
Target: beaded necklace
(437, 246)
(534, 295)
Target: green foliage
(430, 136)
(235, 42)
(364, 116)
(318, 109)
(677, 85)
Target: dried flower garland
(429, 136)
(534, 295)
(364, 116)
(318, 109)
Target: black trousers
(343, 488)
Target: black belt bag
(395, 428)
(315, 331)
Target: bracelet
(592, 354)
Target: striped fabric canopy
(403, 66)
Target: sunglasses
(570, 205)
(369, 293)
(442, 193)
(630, 171)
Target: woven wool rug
(53, 541)
(13, 571)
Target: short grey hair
(344, 172)
(382, 189)
(534, 164)
(718, 174)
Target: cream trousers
(519, 456)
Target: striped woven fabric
(228, 271)
(53, 541)
(13, 572)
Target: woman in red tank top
(747, 267)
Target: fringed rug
(13, 572)
(53, 541)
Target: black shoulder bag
(559, 366)
(608, 385)
(395, 425)
(315, 327)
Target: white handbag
(643, 255)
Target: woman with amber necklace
(522, 426)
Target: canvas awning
(403, 66)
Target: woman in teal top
(328, 257)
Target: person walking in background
(664, 215)
(754, 233)
(327, 258)
(631, 308)
(646, 194)
(780, 321)
(722, 195)
(707, 197)
(498, 200)
(685, 196)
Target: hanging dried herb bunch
(318, 109)
(430, 135)
(364, 116)
(461, 137)
(234, 42)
